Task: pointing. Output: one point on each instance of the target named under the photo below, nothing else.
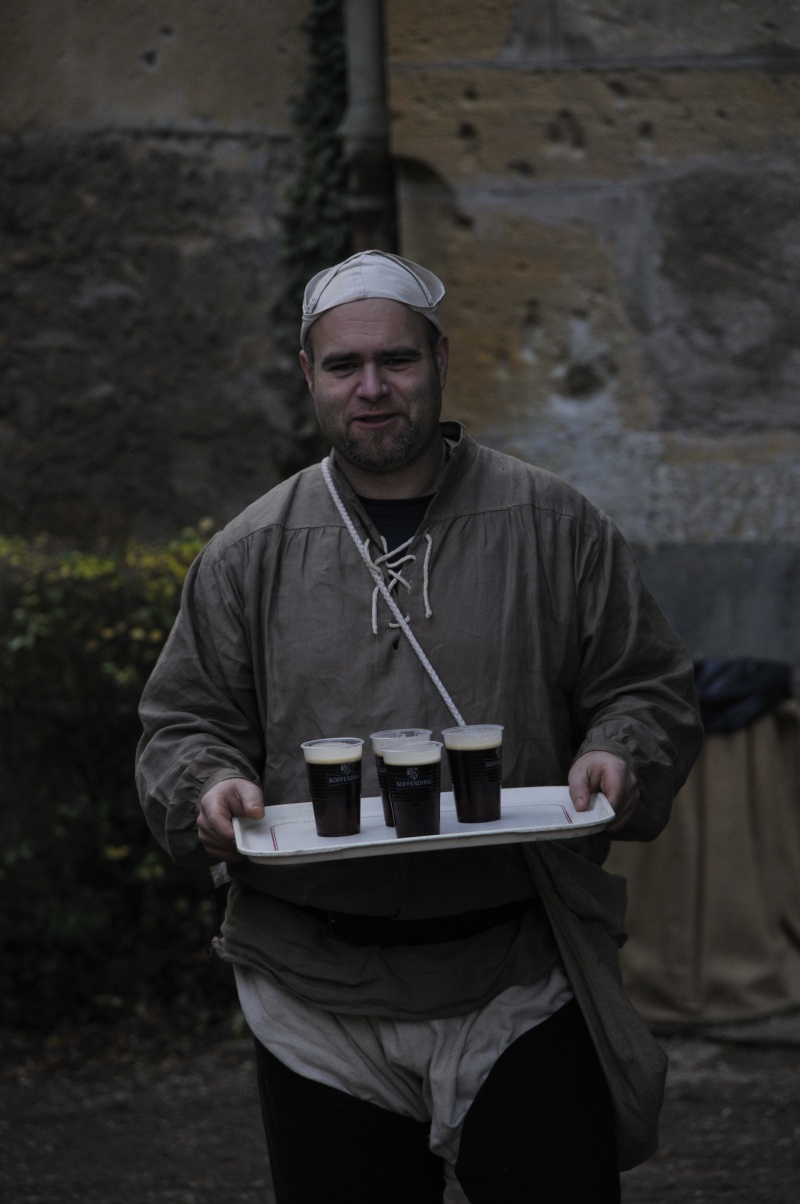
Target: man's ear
(307, 364)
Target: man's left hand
(608, 773)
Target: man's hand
(608, 773)
(234, 796)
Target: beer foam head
(413, 752)
(381, 740)
(372, 274)
(332, 751)
(473, 736)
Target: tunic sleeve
(635, 691)
(199, 711)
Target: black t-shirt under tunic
(396, 519)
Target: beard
(383, 451)
(377, 453)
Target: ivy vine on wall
(316, 230)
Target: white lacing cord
(393, 560)
(426, 577)
(380, 584)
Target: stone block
(144, 384)
(586, 31)
(107, 63)
(533, 311)
(505, 129)
(417, 33)
(723, 331)
(729, 598)
(560, 311)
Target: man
(447, 1010)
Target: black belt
(385, 930)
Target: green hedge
(96, 922)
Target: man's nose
(372, 384)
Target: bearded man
(450, 1012)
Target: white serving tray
(287, 833)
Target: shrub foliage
(96, 922)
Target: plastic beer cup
(413, 778)
(379, 741)
(333, 766)
(474, 755)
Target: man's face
(376, 384)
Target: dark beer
(380, 769)
(474, 756)
(379, 741)
(413, 776)
(334, 781)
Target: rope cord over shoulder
(377, 577)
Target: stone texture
(534, 318)
(664, 491)
(230, 64)
(447, 30)
(729, 598)
(553, 32)
(723, 329)
(141, 385)
(619, 243)
(578, 343)
(509, 127)
(587, 31)
(621, 250)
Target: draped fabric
(714, 904)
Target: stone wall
(610, 192)
(144, 152)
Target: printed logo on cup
(412, 772)
(345, 775)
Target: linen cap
(372, 274)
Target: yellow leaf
(117, 852)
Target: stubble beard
(372, 454)
(380, 452)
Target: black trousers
(540, 1131)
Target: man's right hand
(234, 796)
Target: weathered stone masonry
(142, 385)
(610, 191)
(613, 193)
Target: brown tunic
(539, 622)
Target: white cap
(372, 274)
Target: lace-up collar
(393, 562)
